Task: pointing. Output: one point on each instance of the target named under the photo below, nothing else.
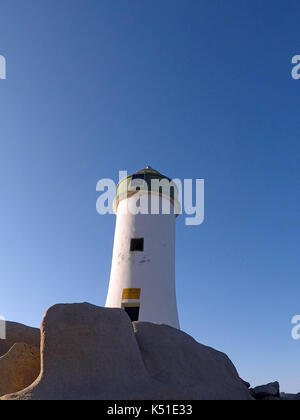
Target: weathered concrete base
(90, 352)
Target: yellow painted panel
(131, 294)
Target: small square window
(137, 244)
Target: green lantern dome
(147, 180)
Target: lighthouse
(142, 280)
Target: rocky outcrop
(95, 353)
(266, 392)
(289, 397)
(18, 333)
(271, 392)
(19, 357)
(19, 367)
(192, 370)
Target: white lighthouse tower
(142, 279)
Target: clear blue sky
(196, 89)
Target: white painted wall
(153, 271)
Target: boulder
(19, 367)
(87, 353)
(18, 333)
(289, 397)
(95, 353)
(188, 370)
(269, 391)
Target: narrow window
(137, 244)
